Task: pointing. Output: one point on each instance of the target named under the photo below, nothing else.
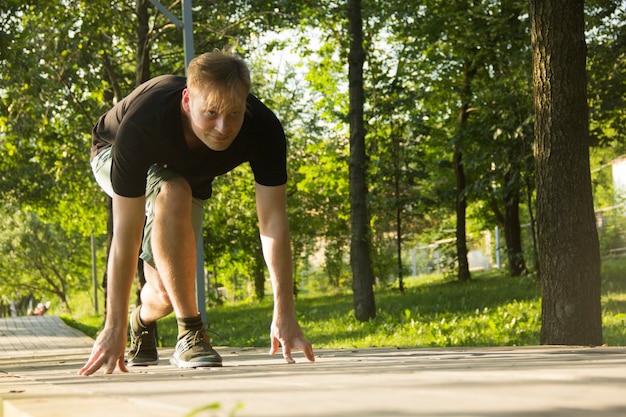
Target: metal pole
(187, 32)
(187, 26)
(189, 52)
(168, 14)
(200, 281)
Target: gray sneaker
(143, 345)
(194, 350)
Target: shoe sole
(143, 363)
(183, 364)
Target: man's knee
(154, 286)
(175, 194)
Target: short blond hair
(222, 76)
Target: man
(156, 154)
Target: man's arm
(271, 203)
(128, 221)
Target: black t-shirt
(146, 128)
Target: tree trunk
(259, 273)
(105, 277)
(397, 195)
(463, 273)
(569, 255)
(259, 281)
(529, 190)
(399, 237)
(513, 230)
(360, 260)
(142, 74)
(142, 50)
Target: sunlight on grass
(436, 313)
(614, 318)
(88, 324)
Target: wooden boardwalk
(33, 334)
(40, 357)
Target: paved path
(31, 335)
(39, 358)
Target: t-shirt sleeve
(130, 162)
(269, 162)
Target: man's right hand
(108, 351)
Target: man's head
(218, 84)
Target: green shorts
(157, 176)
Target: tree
(471, 57)
(469, 72)
(500, 164)
(607, 78)
(40, 258)
(569, 255)
(398, 174)
(50, 97)
(232, 245)
(362, 274)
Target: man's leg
(168, 198)
(170, 283)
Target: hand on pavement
(108, 351)
(289, 335)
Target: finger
(274, 345)
(83, 370)
(121, 363)
(111, 364)
(307, 349)
(91, 366)
(287, 353)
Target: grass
(430, 313)
(614, 301)
(490, 310)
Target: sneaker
(143, 344)
(194, 350)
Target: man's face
(216, 128)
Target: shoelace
(139, 341)
(201, 334)
(208, 330)
(198, 335)
(140, 336)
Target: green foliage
(41, 259)
(607, 79)
(322, 187)
(88, 324)
(614, 301)
(49, 100)
(232, 244)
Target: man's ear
(185, 100)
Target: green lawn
(491, 310)
(428, 314)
